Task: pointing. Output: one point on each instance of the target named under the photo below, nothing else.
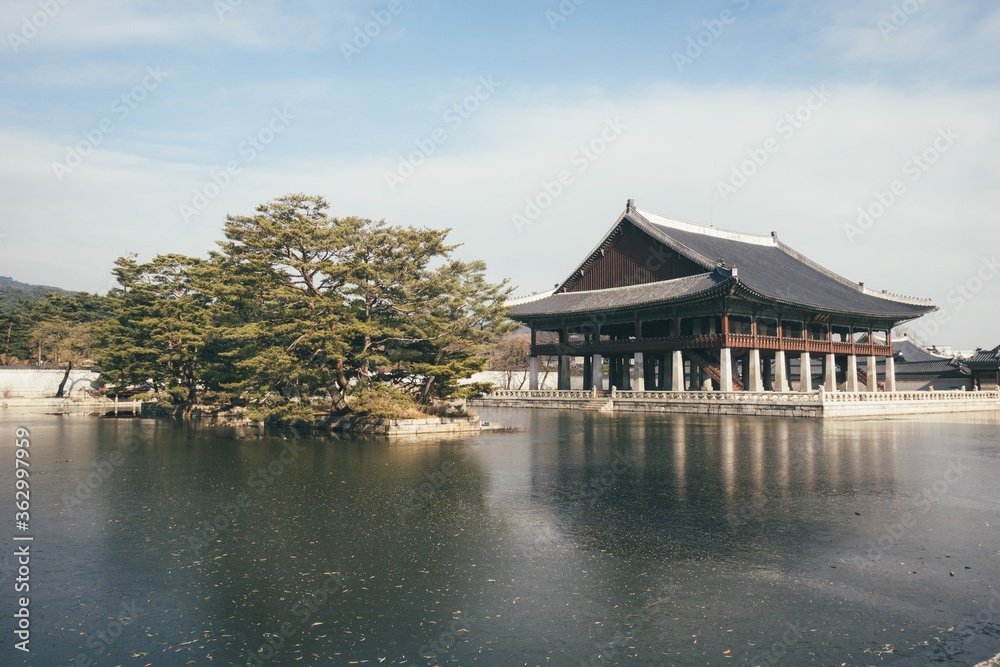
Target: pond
(580, 539)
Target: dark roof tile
(619, 297)
(774, 270)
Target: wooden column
(768, 373)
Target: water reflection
(706, 477)
(583, 535)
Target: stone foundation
(773, 404)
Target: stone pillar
(852, 373)
(695, 379)
(830, 373)
(532, 373)
(755, 381)
(890, 374)
(726, 369)
(872, 375)
(564, 376)
(768, 376)
(597, 377)
(805, 372)
(588, 373)
(780, 372)
(626, 375)
(677, 371)
(638, 373)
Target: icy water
(581, 539)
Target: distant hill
(12, 290)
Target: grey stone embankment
(63, 405)
(792, 404)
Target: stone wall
(27, 382)
(939, 384)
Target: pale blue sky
(164, 95)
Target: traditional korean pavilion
(670, 305)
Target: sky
(864, 132)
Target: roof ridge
(516, 301)
(685, 226)
(640, 221)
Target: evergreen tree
(296, 306)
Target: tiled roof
(910, 352)
(616, 298)
(762, 267)
(774, 270)
(938, 368)
(986, 357)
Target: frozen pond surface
(582, 539)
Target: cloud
(914, 40)
(194, 24)
(678, 142)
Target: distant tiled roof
(945, 368)
(986, 357)
(910, 352)
(616, 298)
(940, 368)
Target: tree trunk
(426, 393)
(62, 385)
(338, 389)
(340, 406)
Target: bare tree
(510, 357)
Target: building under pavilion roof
(985, 367)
